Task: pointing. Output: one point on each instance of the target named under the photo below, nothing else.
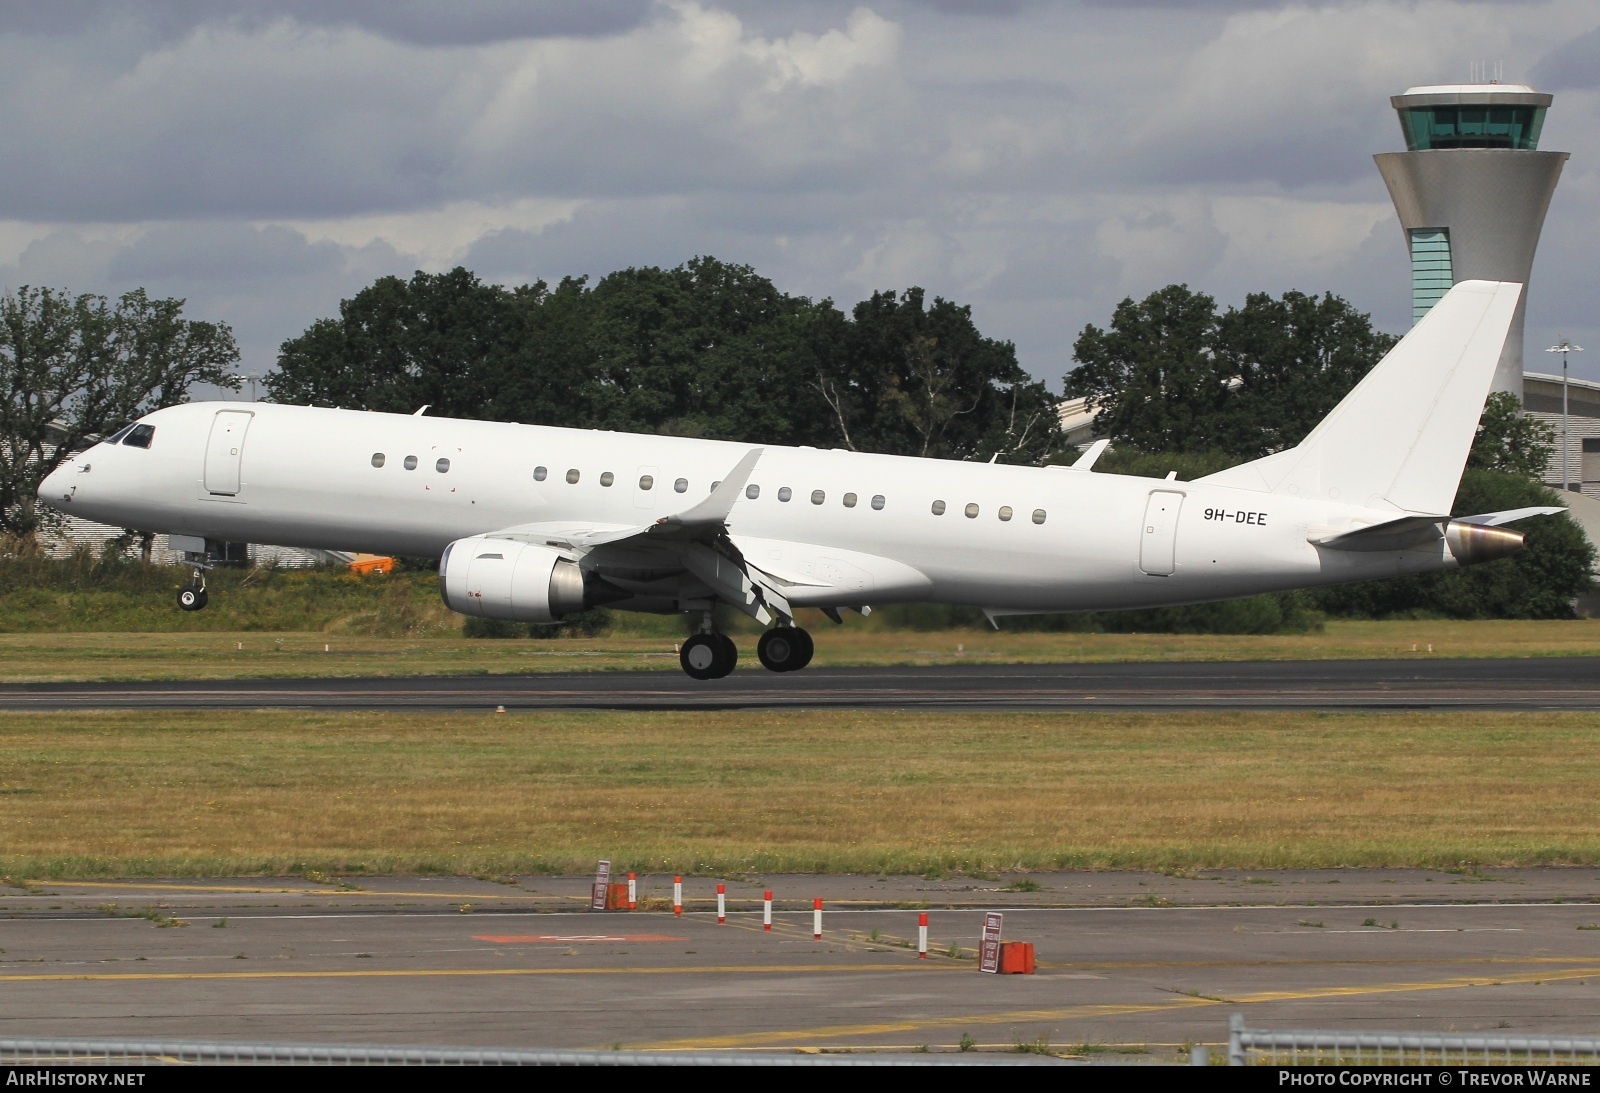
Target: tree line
(708, 349)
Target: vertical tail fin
(1400, 439)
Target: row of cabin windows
(410, 463)
(1005, 512)
(752, 491)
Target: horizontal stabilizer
(1495, 519)
(1408, 531)
(1414, 531)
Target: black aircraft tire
(702, 655)
(191, 598)
(730, 657)
(807, 647)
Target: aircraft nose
(55, 490)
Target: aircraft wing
(694, 541)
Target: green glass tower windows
(1472, 126)
(1431, 275)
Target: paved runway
(1553, 683)
(1132, 965)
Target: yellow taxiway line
(789, 1038)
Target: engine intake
(506, 579)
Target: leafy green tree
(397, 345)
(1153, 375)
(709, 349)
(76, 368)
(907, 378)
(1170, 375)
(1293, 358)
(1510, 440)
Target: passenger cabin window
(818, 497)
(681, 486)
(877, 501)
(607, 478)
(849, 500)
(541, 473)
(1038, 516)
(572, 476)
(784, 493)
(938, 508)
(377, 459)
(1005, 512)
(752, 491)
(646, 482)
(972, 512)
(139, 436)
(443, 466)
(411, 462)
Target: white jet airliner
(534, 523)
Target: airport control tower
(1472, 190)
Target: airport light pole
(1564, 347)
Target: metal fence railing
(53, 1052)
(1317, 1047)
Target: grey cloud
(421, 22)
(1574, 64)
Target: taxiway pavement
(1130, 964)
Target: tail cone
(1474, 543)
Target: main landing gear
(785, 649)
(709, 655)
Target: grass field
(276, 792)
(39, 657)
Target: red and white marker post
(722, 904)
(922, 936)
(677, 896)
(633, 892)
(766, 911)
(816, 919)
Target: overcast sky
(1039, 161)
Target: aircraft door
(225, 451)
(1158, 537)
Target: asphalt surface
(1553, 683)
(1133, 967)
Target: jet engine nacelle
(506, 579)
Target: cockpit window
(116, 437)
(139, 436)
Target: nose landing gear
(785, 649)
(192, 596)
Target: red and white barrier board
(989, 949)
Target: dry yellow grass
(96, 656)
(136, 793)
